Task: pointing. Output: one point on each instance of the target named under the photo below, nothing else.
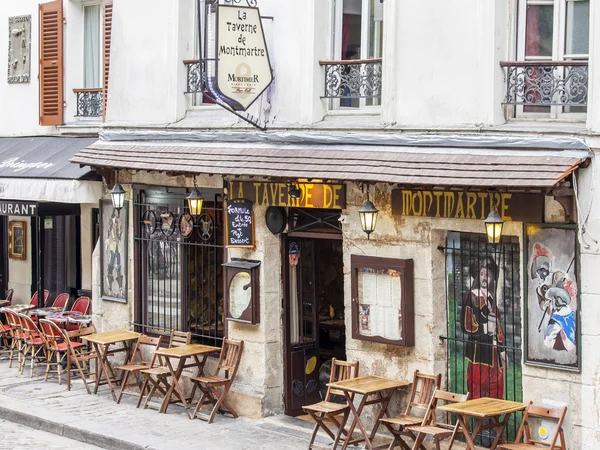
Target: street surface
(16, 437)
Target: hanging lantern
(195, 201)
(117, 195)
(368, 217)
(493, 227)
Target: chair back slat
(90, 329)
(340, 371)
(423, 387)
(179, 338)
(447, 397)
(229, 359)
(61, 300)
(147, 342)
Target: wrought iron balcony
(195, 79)
(89, 102)
(546, 83)
(354, 78)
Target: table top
(45, 311)
(368, 385)
(484, 407)
(62, 316)
(112, 337)
(4, 302)
(17, 308)
(186, 351)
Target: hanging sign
(243, 69)
(15, 208)
(312, 195)
(240, 223)
(468, 205)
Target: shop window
(551, 75)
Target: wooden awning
(421, 166)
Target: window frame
(559, 26)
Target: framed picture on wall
(113, 252)
(17, 240)
(553, 331)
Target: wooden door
(301, 330)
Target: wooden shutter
(107, 11)
(51, 63)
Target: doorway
(313, 316)
(3, 255)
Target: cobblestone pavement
(19, 437)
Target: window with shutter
(51, 63)
(107, 10)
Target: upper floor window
(92, 41)
(353, 78)
(551, 75)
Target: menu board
(240, 223)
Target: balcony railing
(89, 102)
(195, 80)
(546, 83)
(354, 78)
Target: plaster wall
(19, 271)
(87, 225)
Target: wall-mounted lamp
(368, 216)
(117, 195)
(493, 227)
(294, 190)
(195, 200)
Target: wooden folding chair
(138, 362)
(423, 387)
(229, 361)
(538, 413)
(430, 425)
(157, 377)
(79, 357)
(327, 410)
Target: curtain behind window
(91, 47)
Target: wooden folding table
(482, 409)
(102, 343)
(182, 353)
(380, 387)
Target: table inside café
(496, 411)
(380, 389)
(182, 353)
(102, 343)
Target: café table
(182, 353)
(496, 411)
(102, 343)
(43, 312)
(380, 388)
(17, 308)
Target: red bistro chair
(82, 305)
(34, 298)
(35, 344)
(13, 321)
(61, 300)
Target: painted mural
(552, 297)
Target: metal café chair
(61, 300)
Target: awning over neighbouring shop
(526, 167)
(38, 169)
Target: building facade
(437, 113)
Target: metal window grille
(179, 277)
(465, 255)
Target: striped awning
(407, 165)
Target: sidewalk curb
(68, 431)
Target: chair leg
(341, 430)
(123, 385)
(315, 431)
(420, 438)
(144, 387)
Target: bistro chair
(17, 335)
(34, 343)
(158, 375)
(79, 357)
(138, 362)
(82, 305)
(8, 297)
(229, 361)
(327, 410)
(535, 414)
(430, 425)
(61, 300)
(423, 387)
(34, 298)
(57, 349)
(6, 335)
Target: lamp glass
(117, 195)
(368, 217)
(195, 202)
(493, 227)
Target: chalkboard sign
(240, 223)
